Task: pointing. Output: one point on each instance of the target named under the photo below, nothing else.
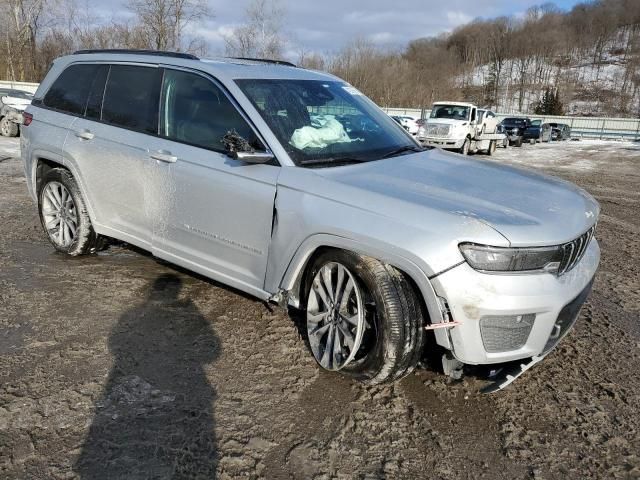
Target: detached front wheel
(363, 317)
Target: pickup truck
(457, 126)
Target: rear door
(57, 110)
(110, 143)
(213, 214)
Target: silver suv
(292, 186)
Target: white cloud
(457, 18)
(328, 25)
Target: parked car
(411, 124)
(514, 128)
(560, 131)
(537, 131)
(398, 120)
(12, 104)
(487, 121)
(218, 167)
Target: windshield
(455, 112)
(325, 122)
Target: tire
(393, 333)
(492, 148)
(518, 142)
(532, 141)
(58, 186)
(464, 150)
(8, 128)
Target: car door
(109, 143)
(213, 214)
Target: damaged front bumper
(509, 317)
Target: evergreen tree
(549, 104)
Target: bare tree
(164, 22)
(261, 36)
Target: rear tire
(393, 334)
(64, 216)
(492, 148)
(8, 128)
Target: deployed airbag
(325, 130)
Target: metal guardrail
(26, 86)
(587, 127)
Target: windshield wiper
(406, 148)
(332, 161)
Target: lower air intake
(503, 333)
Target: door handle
(163, 156)
(84, 134)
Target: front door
(213, 214)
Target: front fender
(292, 278)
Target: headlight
(500, 259)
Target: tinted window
(94, 103)
(131, 98)
(196, 111)
(69, 92)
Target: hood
(527, 208)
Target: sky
(324, 26)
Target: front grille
(567, 317)
(503, 333)
(573, 251)
(437, 130)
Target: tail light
(27, 118)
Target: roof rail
(264, 60)
(158, 53)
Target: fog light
(502, 333)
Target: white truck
(460, 126)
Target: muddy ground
(120, 366)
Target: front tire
(64, 216)
(464, 150)
(363, 317)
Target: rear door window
(70, 90)
(96, 93)
(131, 98)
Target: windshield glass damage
(325, 122)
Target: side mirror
(252, 157)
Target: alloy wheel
(60, 214)
(335, 316)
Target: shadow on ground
(155, 416)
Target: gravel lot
(120, 366)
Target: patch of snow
(9, 147)
(584, 155)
